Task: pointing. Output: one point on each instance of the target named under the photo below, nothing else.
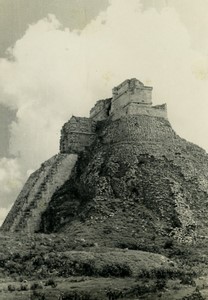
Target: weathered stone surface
(138, 179)
(77, 134)
(135, 179)
(101, 110)
(131, 97)
(26, 213)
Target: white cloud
(53, 72)
(11, 180)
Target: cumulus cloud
(11, 179)
(53, 72)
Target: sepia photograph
(103, 152)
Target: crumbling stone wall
(101, 110)
(138, 129)
(77, 134)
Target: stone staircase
(25, 215)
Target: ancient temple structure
(131, 97)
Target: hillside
(123, 172)
(119, 213)
(139, 179)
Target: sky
(58, 57)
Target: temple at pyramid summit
(131, 97)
